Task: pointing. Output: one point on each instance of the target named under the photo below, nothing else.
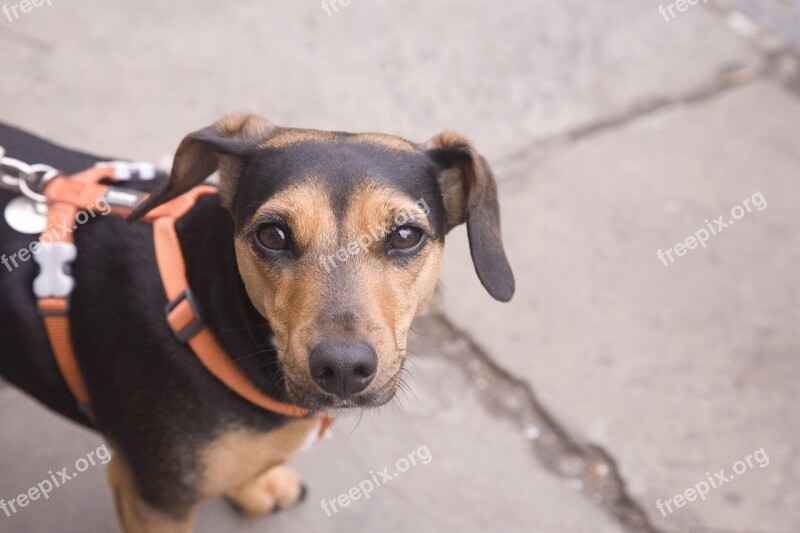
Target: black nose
(343, 368)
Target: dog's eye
(405, 238)
(272, 237)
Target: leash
(65, 198)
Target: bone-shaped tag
(53, 280)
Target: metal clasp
(132, 170)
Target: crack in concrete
(24, 40)
(587, 467)
(726, 80)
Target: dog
(306, 323)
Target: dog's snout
(343, 368)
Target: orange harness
(66, 198)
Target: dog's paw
(277, 488)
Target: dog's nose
(343, 368)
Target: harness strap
(183, 315)
(53, 301)
(56, 322)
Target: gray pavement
(611, 381)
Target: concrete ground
(613, 380)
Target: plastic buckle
(54, 279)
(132, 170)
(197, 323)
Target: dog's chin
(318, 401)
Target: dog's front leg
(277, 488)
(135, 515)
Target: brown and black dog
(308, 266)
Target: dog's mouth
(311, 397)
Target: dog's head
(339, 240)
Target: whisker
(425, 334)
(245, 328)
(255, 353)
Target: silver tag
(26, 216)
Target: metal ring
(27, 191)
(48, 173)
(26, 180)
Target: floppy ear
(470, 194)
(220, 146)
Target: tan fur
(134, 514)
(454, 194)
(388, 141)
(288, 136)
(278, 487)
(239, 457)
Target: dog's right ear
(220, 146)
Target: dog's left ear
(219, 146)
(470, 195)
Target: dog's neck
(206, 236)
